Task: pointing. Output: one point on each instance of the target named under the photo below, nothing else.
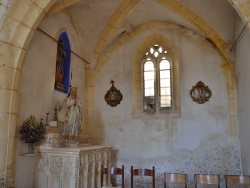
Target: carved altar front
(70, 167)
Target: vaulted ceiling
(101, 22)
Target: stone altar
(70, 167)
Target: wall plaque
(200, 93)
(113, 97)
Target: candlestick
(47, 118)
(55, 115)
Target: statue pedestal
(55, 140)
(71, 167)
(54, 137)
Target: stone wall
(216, 154)
(198, 141)
(242, 72)
(38, 77)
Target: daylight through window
(157, 80)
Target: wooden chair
(112, 171)
(206, 179)
(237, 180)
(175, 178)
(142, 172)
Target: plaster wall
(241, 7)
(37, 84)
(243, 88)
(197, 142)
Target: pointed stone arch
(126, 6)
(113, 24)
(227, 66)
(18, 22)
(17, 26)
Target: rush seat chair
(142, 172)
(112, 171)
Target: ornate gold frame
(200, 93)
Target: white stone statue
(70, 113)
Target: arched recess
(225, 65)
(18, 22)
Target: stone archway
(18, 21)
(227, 66)
(17, 26)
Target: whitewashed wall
(37, 85)
(197, 142)
(243, 90)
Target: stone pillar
(16, 29)
(9, 95)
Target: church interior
(160, 83)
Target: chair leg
(122, 176)
(153, 177)
(132, 183)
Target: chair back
(175, 178)
(237, 180)
(112, 171)
(206, 179)
(143, 172)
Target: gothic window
(157, 80)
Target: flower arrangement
(32, 131)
